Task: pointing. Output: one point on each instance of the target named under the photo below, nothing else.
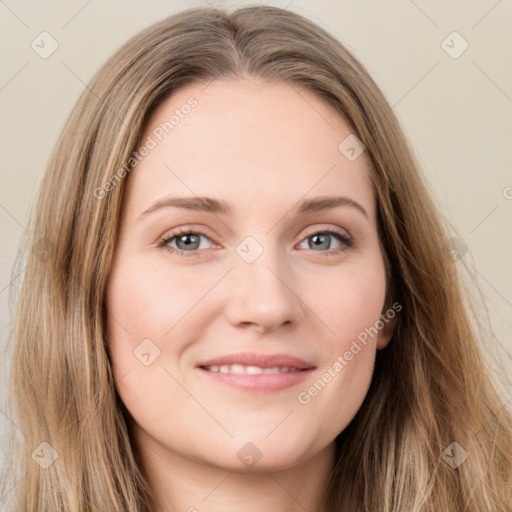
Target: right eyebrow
(204, 204)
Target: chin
(258, 453)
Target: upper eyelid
(337, 230)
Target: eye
(322, 241)
(187, 242)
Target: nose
(261, 294)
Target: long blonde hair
(431, 386)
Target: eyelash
(347, 242)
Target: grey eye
(188, 241)
(321, 241)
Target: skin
(261, 148)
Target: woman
(240, 296)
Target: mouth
(240, 369)
(257, 372)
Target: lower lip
(261, 381)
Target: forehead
(249, 143)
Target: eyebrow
(211, 205)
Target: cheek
(140, 310)
(146, 301)
(350, 309)
(350, 301)
(148, 314)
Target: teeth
(249, 370)
(237, 368)
(253, 370)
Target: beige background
(457, 112)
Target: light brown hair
(431, 386)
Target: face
(246, 327)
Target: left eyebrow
(327, 202)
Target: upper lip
(261, 360)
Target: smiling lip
(292, 370)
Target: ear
(389, 319)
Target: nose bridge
(261, 291)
